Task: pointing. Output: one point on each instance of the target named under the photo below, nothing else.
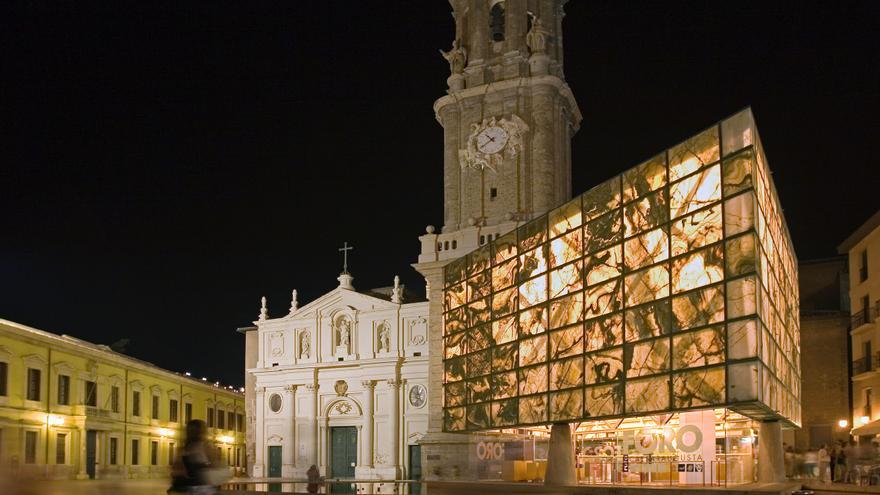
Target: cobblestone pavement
(86, 487)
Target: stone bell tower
(508, 120)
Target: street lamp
(843, 423)
(864, 420)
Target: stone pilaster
(369, 442)
(259, 468)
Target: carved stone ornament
(383, 337)
(341, 388)
(343, 407)
(456, 56)
(513, 128)
(536, 38)
(305, 345)
(276, 344)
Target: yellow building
(862, 249)
(72, 409)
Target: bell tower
(508, 120)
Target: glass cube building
(670, 287)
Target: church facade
(340, 383)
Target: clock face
(418, 396)
(491, 140)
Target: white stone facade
(345, 359)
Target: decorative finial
(294, 303)
(264, 313)
(396, 292)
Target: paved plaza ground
(85, 487)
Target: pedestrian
(833, 453)
(840, 468)
(850, 453)
(811, 461)
(789, 461)
(315, 479)
(196, 471)
(824, 462)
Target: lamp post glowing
(843, 423)
(225, 439)
(165, 432)
(53, 420)
(864, 420)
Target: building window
(172, 410)
(187, 412)
(863, 266)
(63, 390)
(454, 244)
(135, 452)
(135, 403)
(30, 447)
(868, 396)
(238, 457)
(154, 453)
(230, 420)
(493, 193)
(113, 446)
(221, 420)
(496, 21)
(866, 309)
(60, 447)
(33, 384)
(154, 410)
(4, 376)
(240, 422)
(91, 394)
(171, 454)
(114, 398)
(210, 417)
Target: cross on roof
(345, 249)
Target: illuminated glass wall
(672, 286)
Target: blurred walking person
(196, 471)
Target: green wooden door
(343, 451)
(275, 461)
(91, 449)
(415, 468)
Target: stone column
(543, 159)
(316, 451)
(450, 117)
(289, 459)
(771, 468)
(394, 388)
(259, 468)
(369, 390)
(81, 473)
(560, 460)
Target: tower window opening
(482, 240)
(496, 21)
(454, 244)
(493, 193)
(445, 245)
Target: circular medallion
(275, 403)
(418, 396)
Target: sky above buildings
(164, 165)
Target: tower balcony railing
(866, 364)
(865, 317)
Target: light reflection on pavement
(84, 487)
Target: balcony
(866, 364)
(864, 317)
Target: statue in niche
(305, 345)
(343, 334)
(456, 56)
(383, 335)
(536, 38)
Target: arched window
(496, 21)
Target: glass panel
(532, 233)
(602, 299)
(694, 153)
(504, 247)
(533, 321)
(479, 338)
(503, 385)
(738, 131)
(504, 412)
(646, 213)
(479, 286)
(567, 342)
(645, 178)
(533, 262)
(647, 285)
(566, 405)
(603, 232)
(454, 321)
(742, 381)
(602, 198)
(698, 308)
(738, 172)
(648, 320)
(650, 247)
(605, 400)
(455, 394)
(479, 390)
(566, 217)
(504, 302)
(697, 269)
(504, 330)
(699, 387)
(603, 265)
(567, 373)
(478, 416)
(504, 357)
(479, 363)
(647, 358)
(566, 248)
(695, 192)
(698, 348)
(741, 257)
(533, 351)
(454, 419)
(650, 394)
(533, 380)
(739, 214)
(454, 369)
(454, 296)
(533, 409)
(567, 310)
(478, 260)
(504, 275)
(569, 278)
(697, 230)
(604, 332)
(742, 298)
(533, 291)
(479, 312)
(455, 345)
(604, 366)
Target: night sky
(165, 164)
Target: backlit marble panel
(699, 387)
(693, 154)
(603, 232)
(646, 249)
(698, 348)
(696, 230)
(644, 178)
(647, 285)
(568, 279)
(604, 332)
(533, 321)
(604, 400)
(566, 342)
(504, 413)
(566, 217)
(602, 198)
(604, 366)
(604, 265)
(647, 358)
(567, 373)
(533, 350)
(695, 192)
(646, 213)
(603, 298)
(567, 310)
(533, 410)
(566, 405)
(647, 394)
(698, 308)
(648, 320)
(533, 380)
